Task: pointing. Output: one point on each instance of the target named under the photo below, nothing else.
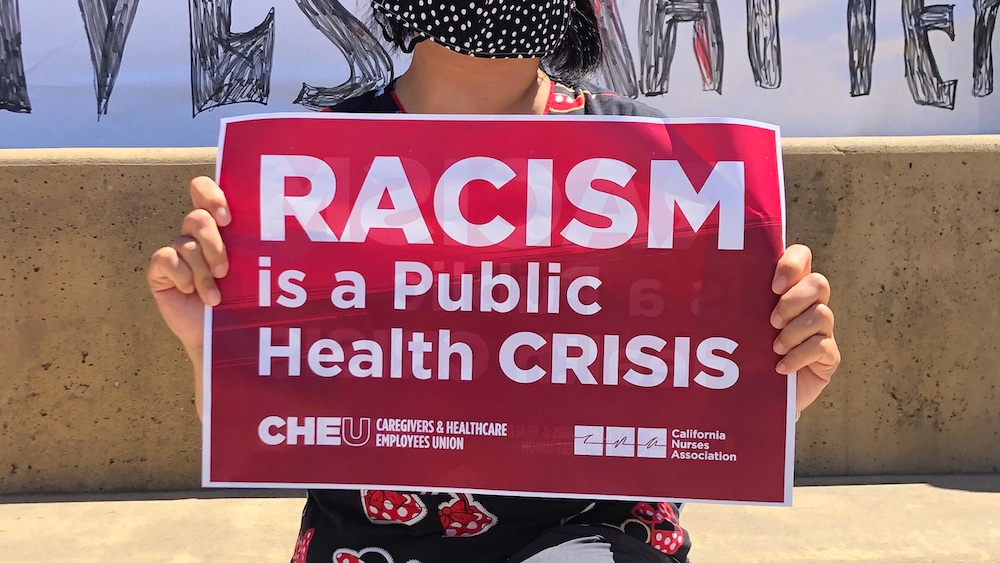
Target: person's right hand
(182, 275)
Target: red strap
(548, 101)
(399, 105)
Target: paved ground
(914, 520)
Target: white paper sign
(167, 71)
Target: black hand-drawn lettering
(922, 74)
(228, 67)
(658, 21)
(371, 66)
(861, 44)
(982, 47)
(617, 67)
(764, 42)
(107, 23)
(13, 85)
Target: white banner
(162, 73)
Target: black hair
(579, 53)
(575, 59)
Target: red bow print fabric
(668, 537)
(464, 517)
(390, 507)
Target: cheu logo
(314, 431)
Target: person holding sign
(486, 58)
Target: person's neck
(440, 80)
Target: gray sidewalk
(925, 520)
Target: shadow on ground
(978, 483)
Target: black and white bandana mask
(495, 29)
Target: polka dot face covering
(495, 29)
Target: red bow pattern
(464, 517)
(666, 541)
(302, 546)
(367, 555)
(390, 507)
(561, 103)
(664, 512)
(670, 537)
(346, 556)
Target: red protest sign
(564, 308)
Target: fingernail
(223, 215)
(214, 297)
(776, 320)
(779, 285)
(779, 348)
(220, 271)
(781, 368)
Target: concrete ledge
(943, 144)
(948, 519)
(108, 157)
(98, 395)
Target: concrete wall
(97, 395)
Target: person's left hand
(806, 322)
